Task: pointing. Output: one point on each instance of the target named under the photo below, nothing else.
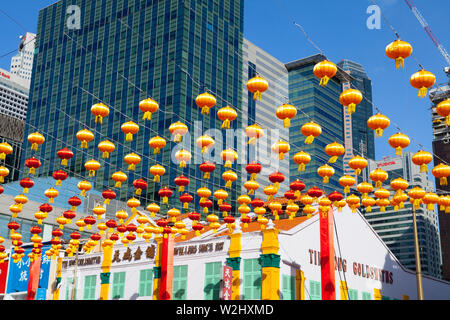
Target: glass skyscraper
(124, 52)
(362, 138)
(321, 105)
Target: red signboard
(3, 275)
(327, 256)
(227, 287)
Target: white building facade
(14, 93)
(22, 62)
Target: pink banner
(227, 284)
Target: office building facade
(321, 105)
(22, 62)
(396, 227)
(441, 151)
(257, 61)
(124, 52)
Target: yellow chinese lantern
(129, 128)
(205, 142)
(226, 115)
(286, 112)
(244, 199)
(99, 211)
(422, 158)
(5, 149)
(92, 166)
(430, 199)
(106, 147)
(173, 214)
(36, 139)
(378, 123)
(441, 171)
(399, 185)
(121, 215)
(324, 205)
(353, 202)
(157, 171)
(334, 150)
(382, 203)
(291, 210)
(153, 208)
(229, 176)
(378, 176)
(102, 227)
(416, 194)
(80, 224)
(85, 136)
(399, 50)
(382, 193)
(257, 86)
(340, 204)
(221, 195)
(61, 221)
(213, 222)
(276, 208)
(229, 156)
(325, 172)
(21, 200)
(178, 130)
(347, 181)
(254, 132)
(133, 203)
(84, 187)
(350, 98)
(422, 80)
(119, 177)
(443, 109)
(302, 159)
(203, 193)
(183, 156)
(311, 130)
(15, 210)
(205, 101)
(357, 163)
(51, 194)
(325, 70)
(251, 186)
(270, 191)
(148, 107)
(132, 159)
(309, 210)
(100, 111)
(444, 204)
(157, 143)
(399, 141)
(281, 147)
(400, 199)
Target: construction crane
(435, 40)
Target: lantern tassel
(325, 179)
(32, 171)
(281, 156)
(181, 189)
(156, 179)
(301, 167)
(333, 159)
(228, 184)
(443, 181)
(287, 123)
(351, 108)
(147, 116)
(398, 151)
(251, 192)
(357, 172)
(378, 132)
(324, 81)
(422, 92)
(257, 96)
(157, 151)
(309, 140)
(447, 121)
(399, 62)
(139, 192)
(64, 162)
(253, 176)
(84, 144)
(423, 168)
(205, 110)
(252, 141)
(185, 205)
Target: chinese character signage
(227, 278)
(19, 273)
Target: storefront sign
(227, 280)
(136, 255)
(198, 249)
(359, 269)
(81, 262)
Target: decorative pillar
(166, 268)
(234, 261)
(327, 255)
(157, 269)
(106, 272)
(344, 290)
(270, 262)
(300, 285)
(56, 290)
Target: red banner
(327, 256)
(227, 282)
(33, 280)
(3, 275)
(166, 269)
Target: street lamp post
(417, 254)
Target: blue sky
(339, 29)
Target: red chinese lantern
(74, 202)
(181, 182)
(297, 186)
(290, 195)
(26, 183)
(186, 198)
(165, 193)
(256, 203)
(13, 226)
(197, 228)
(205, 205)
(90, 221)
(253, 169)
(60, 176)
(65, 155)
(108, 195)
(45, 208)
(140, 185)
(315, 193)
(225, 208)
(2, 189)
(69, 215)
(276, 178)
(32, 163)
(207, 167)
(195, 217)
(335, 197)
(114, 237)
(111, 224)
(246, 220)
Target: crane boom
(427, 28)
